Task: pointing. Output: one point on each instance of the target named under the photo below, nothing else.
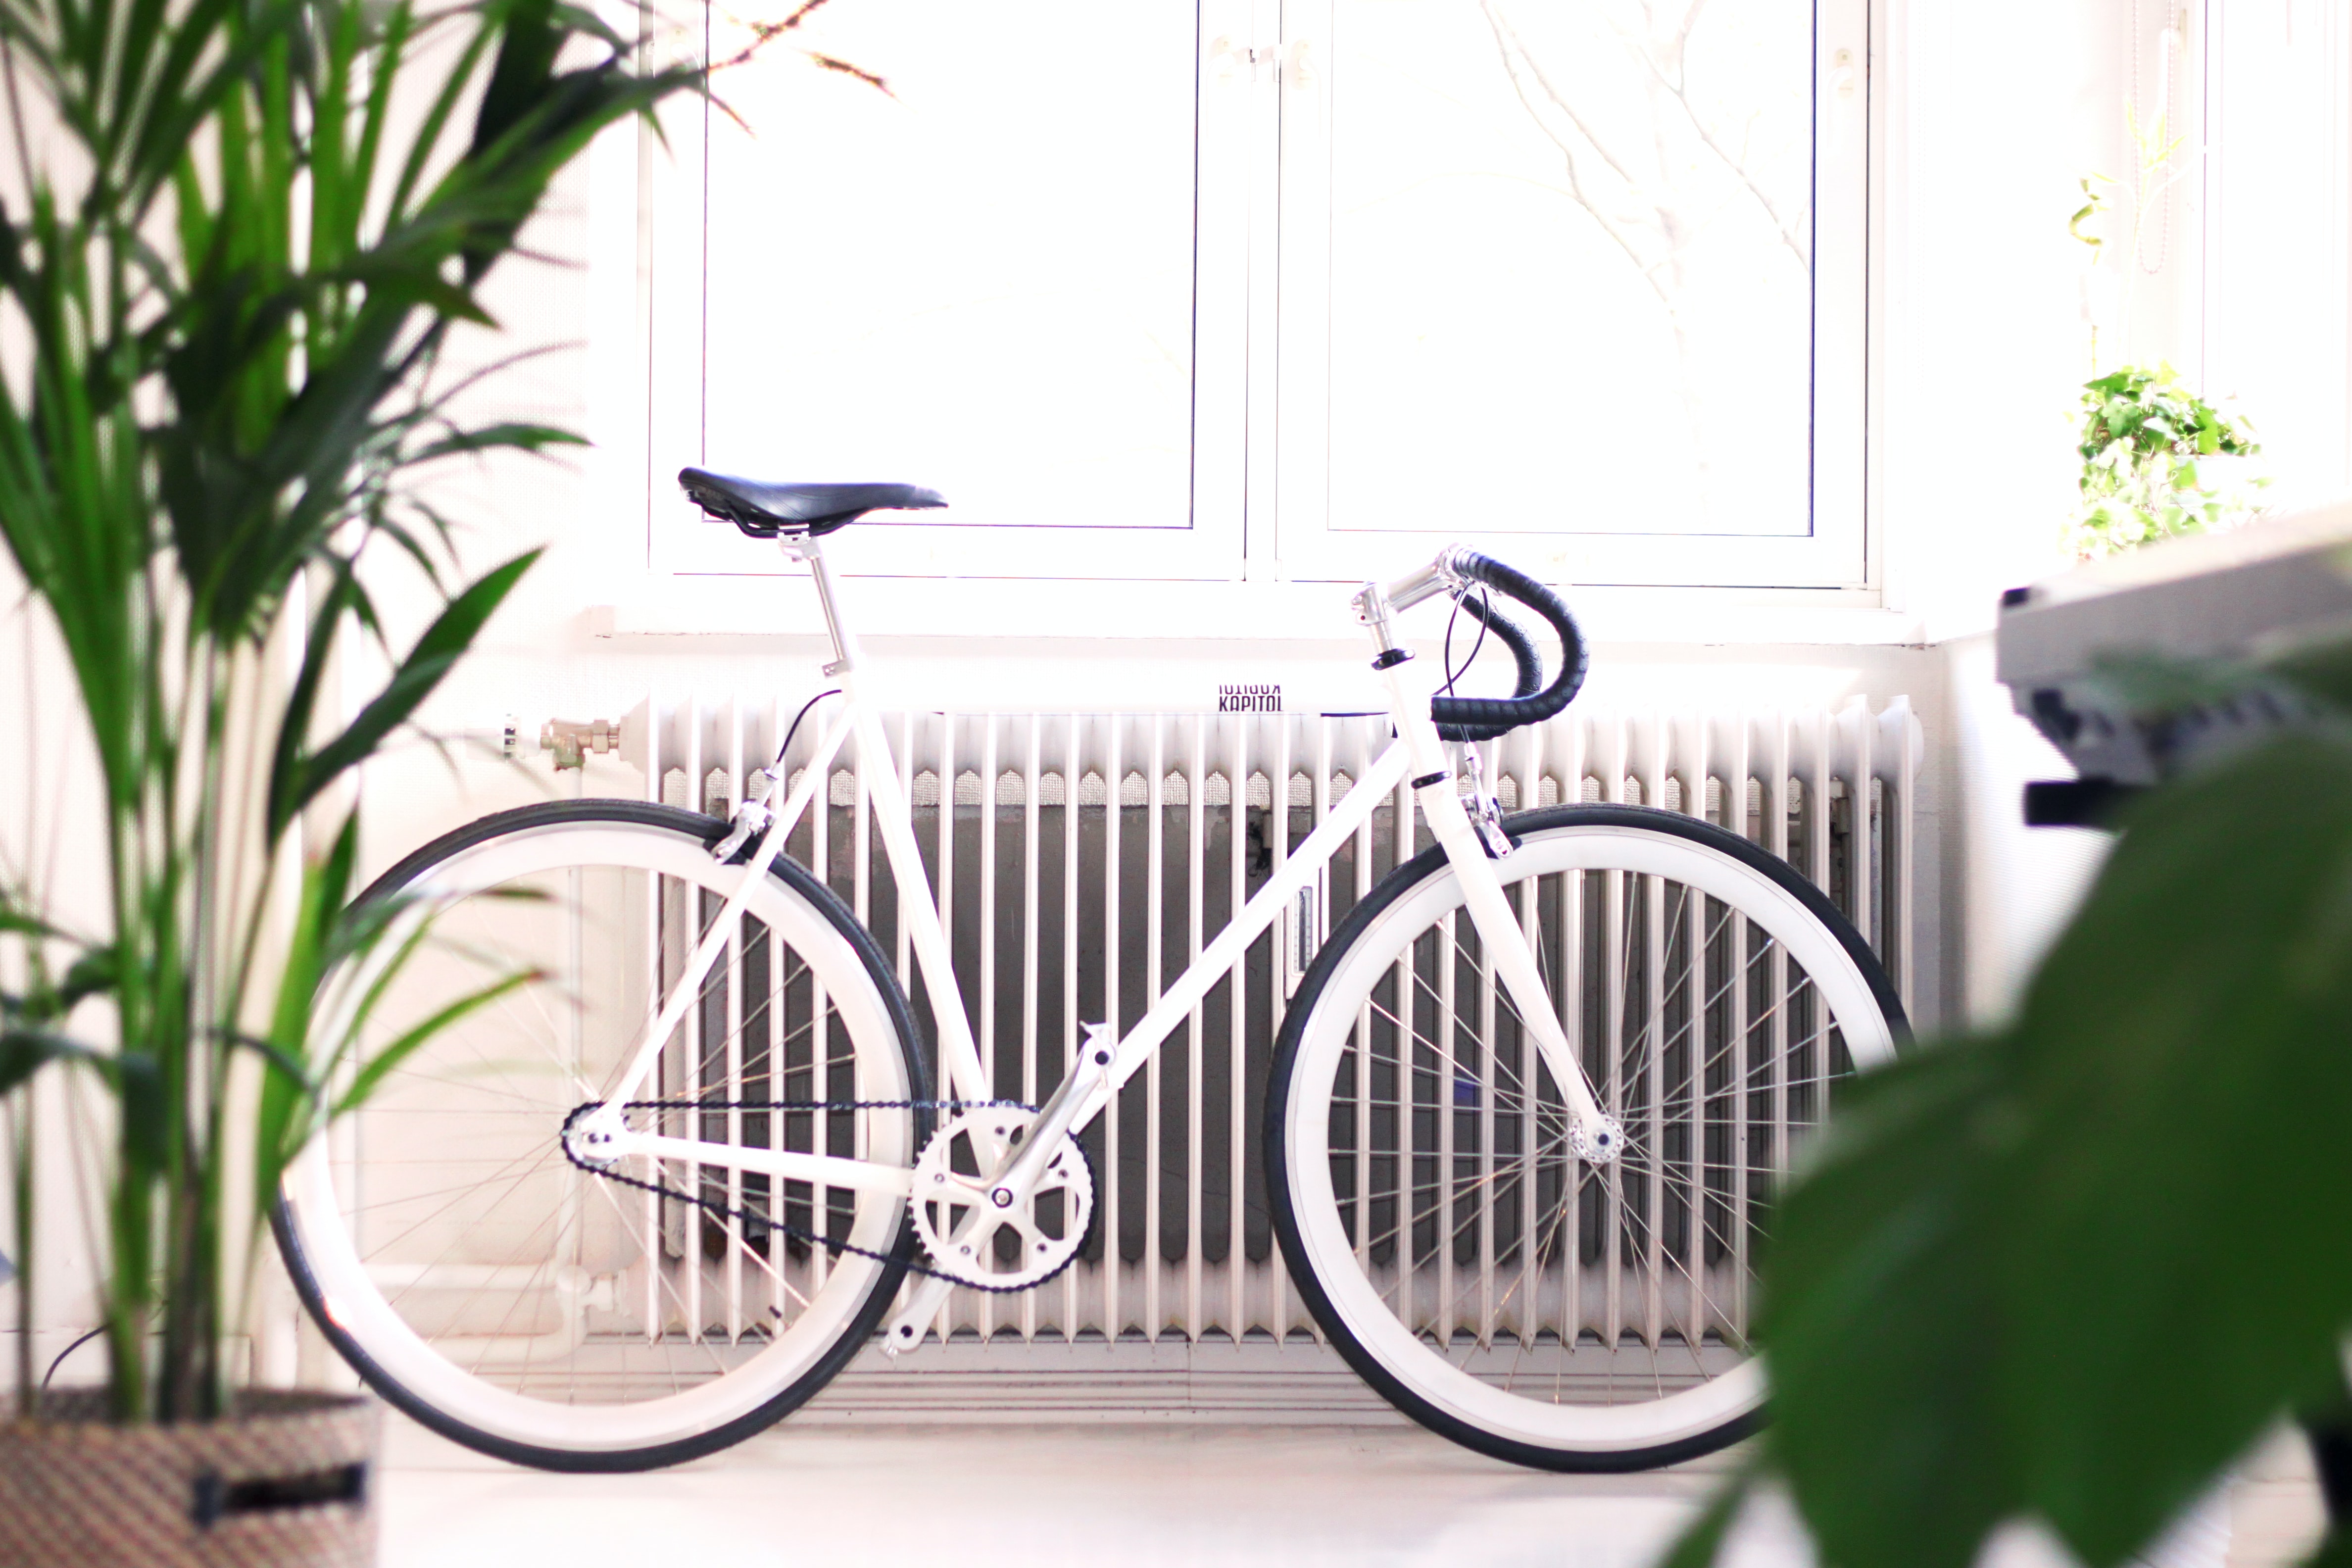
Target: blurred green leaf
(1703, 1539)
(444, 642)
(2075, 1269)
(93, 973)
(1884, 1323)
(388, 1059)
(2335, 1552)
(2320, 670)
(24, 1052)
(2187, 1085)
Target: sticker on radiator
(1249, 697)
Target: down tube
(1371, 791)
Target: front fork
(1472, 847)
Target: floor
(1100, 1494)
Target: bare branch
(1676, 88)
(764, 33)
(1508, 45)
(1508, 39)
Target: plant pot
(287, 1482)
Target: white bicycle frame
(1106, 1064)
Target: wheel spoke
(1454, 1191)
(535, 1277)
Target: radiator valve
(570, 741)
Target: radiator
(1079, 861)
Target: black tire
(704, 831)
(1422, 876)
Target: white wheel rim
(1597, 1428)
(356, 1305)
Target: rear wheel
(529, 1308)
(1489, 1282)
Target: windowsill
(1195, 612)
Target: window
(1150, 296)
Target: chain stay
(718, 1210)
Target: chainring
(1027, 1243)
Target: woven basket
(285, 1483)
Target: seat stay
(960, 1065)
(720, 931)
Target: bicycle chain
(718, 1210)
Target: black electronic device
(2283, 579)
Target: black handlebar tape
(1507, 631)
(1485, 718)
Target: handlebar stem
(1441, 575)
(1375, 604)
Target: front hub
(1598, 1143)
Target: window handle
(1228, 59)
(1289, 64)
(1297, 71)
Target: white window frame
(680, 542)
(1258, 510)
(1314, 545)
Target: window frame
(1833, 556)
(1257, 505)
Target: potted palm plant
(241, 234)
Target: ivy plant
(2158, 461)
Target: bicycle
(1558, 1051)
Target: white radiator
(1058, 917)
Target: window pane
(981, 281)
(1571, 278)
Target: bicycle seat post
(804, 547)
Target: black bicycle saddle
(764, 511)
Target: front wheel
(1489, 1282)
(534, 1308)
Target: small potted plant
(2159, 460)
(248, 229)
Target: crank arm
(1012, 1183)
